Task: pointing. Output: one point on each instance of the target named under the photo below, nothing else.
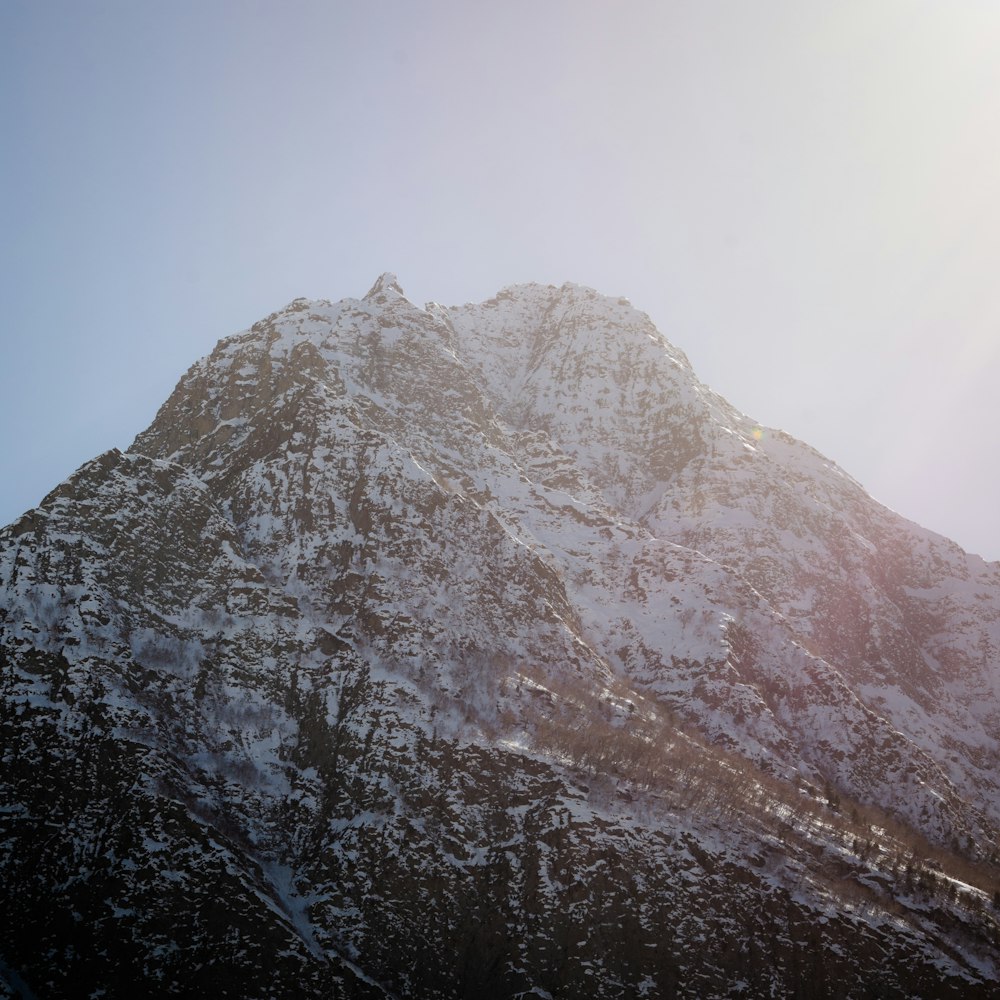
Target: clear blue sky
(805, 196)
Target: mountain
(482, 651)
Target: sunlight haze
(803, 196)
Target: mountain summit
(386, 284)
(484, 651)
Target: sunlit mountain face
(483, 651)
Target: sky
(803, 195)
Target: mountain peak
(397, 624)
(386, 284)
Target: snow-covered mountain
(483, 651)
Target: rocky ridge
(482, 650)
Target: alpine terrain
(482, 651)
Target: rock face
(482, 651)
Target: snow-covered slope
(482, 650)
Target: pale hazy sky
(805, 196)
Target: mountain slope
(479, 651)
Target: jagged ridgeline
(482, 651)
